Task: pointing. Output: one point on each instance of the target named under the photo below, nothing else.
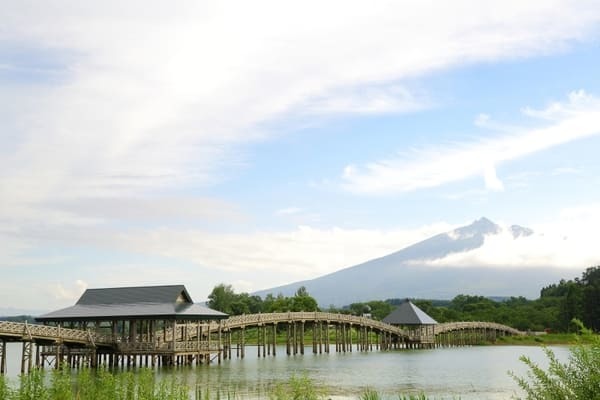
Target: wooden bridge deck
(200, 341)
(19, 332)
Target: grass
(93, 385)
(546, 340)
(142, 385)
(371, 394)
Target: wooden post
(174, 338)
(302, 338)
(320, 328)
(295, 338)
(26, 357)
(337, 344)
(315, 337)
(288, 337)
(229, 343)
(2, 357)
(220, 343)
(274, 339)
(327, 343)
(350, 338)
(243, 342)
(198, 335)
(258, 341)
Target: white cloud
(491, 179)
(288, 211)
(73, 292)
(575, 119)
(569, 240)
(367, 100)
(145, 99)
(302, 253)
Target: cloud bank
(574, 119)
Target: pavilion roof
(142, 302)
(409, 314)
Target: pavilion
(157, 321)
(419, 326)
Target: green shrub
(577, 379)
(370, 394)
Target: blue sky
(260, 144)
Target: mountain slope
(405, 274)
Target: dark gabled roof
(132, 295)
(409, 314)
(145, 302)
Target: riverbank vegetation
(578, 378)
(144, 385)
(552, 312)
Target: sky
(261, 143)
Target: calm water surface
(467, 372)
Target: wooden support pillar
(264, 341)
(58, 355)
(295, 337)
(229, 343)
(288, 339)
(314, 338)
(274, 339)
(302, 338)
(26, 357)
(2, 357)
(220, 343)
(243, 343)
(349, 336)
(258, 340)
(327, 343)
(39, 357)
(174, 335)
(320, 327)
(198, 337)
(132, 331)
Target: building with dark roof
(133, 303)
(415, 321)
(157, 321)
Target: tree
(591, 298)
(302, 301)
(222, 298)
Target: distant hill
(19, 318)
(405, 274)
(11, 312)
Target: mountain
(11, 312)
(407, 272)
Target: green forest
(553, 311)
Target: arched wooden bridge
(199, 342)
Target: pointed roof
(409, 314)
(141, 302)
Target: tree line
(223, 298)
(554, 310)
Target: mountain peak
(407, 272)
(480, 227)
(484, 225)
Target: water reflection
(467, 372)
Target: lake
(478, 372)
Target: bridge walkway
(202, 342)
